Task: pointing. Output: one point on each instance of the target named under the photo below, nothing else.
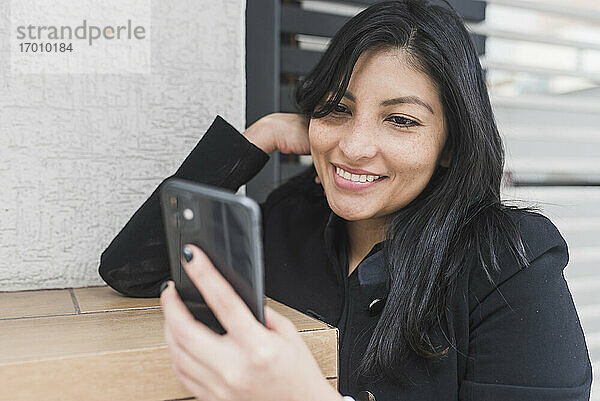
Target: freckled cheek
(408, 162)
(321, 141)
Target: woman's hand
(285, 132)
(250, 361)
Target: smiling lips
(355, 171)
(347, 180)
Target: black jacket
(516, 341)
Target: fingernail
(164, 285)
(187, 254)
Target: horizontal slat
(297, 20)
(319, 43)
(524, 178)
(581, 269)
(554, 103)
(554, 165)
(580, 232)
(529, 37)
(558, 202)
(548, 8)
(582, 239)
(357, 2)
(496, 65)
(583, 285)
(471, 10)
(550, 121)
(581, 225)
(556, 209)
(548, 148)
(585, 255)
(298, 61)
(586, 298)
(592, 341)
(589, 311)
(308, 22)
(524, 131)
(479, 43)
(339, 7)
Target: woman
(396, 235)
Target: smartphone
(227, 227)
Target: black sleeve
(526, 340)
(136, 261)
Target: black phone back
(227, 227)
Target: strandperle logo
(80, 37)
(84, 31)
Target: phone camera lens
(188, 214)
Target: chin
(348, 210)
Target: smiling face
(401, 139)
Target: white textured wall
(80, 153)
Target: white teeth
(356, 177)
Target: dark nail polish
(187, 254)
(164, 285)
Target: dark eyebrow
(398, 100)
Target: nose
(359, 141)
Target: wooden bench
(95, 344)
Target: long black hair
(459, 213)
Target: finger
(279, 323)
(229, 309)
(184, 364)
(192, 335)
(201, 393)
(213, 377)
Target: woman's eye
(397, 120)
(339, 109)
(403, 121)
